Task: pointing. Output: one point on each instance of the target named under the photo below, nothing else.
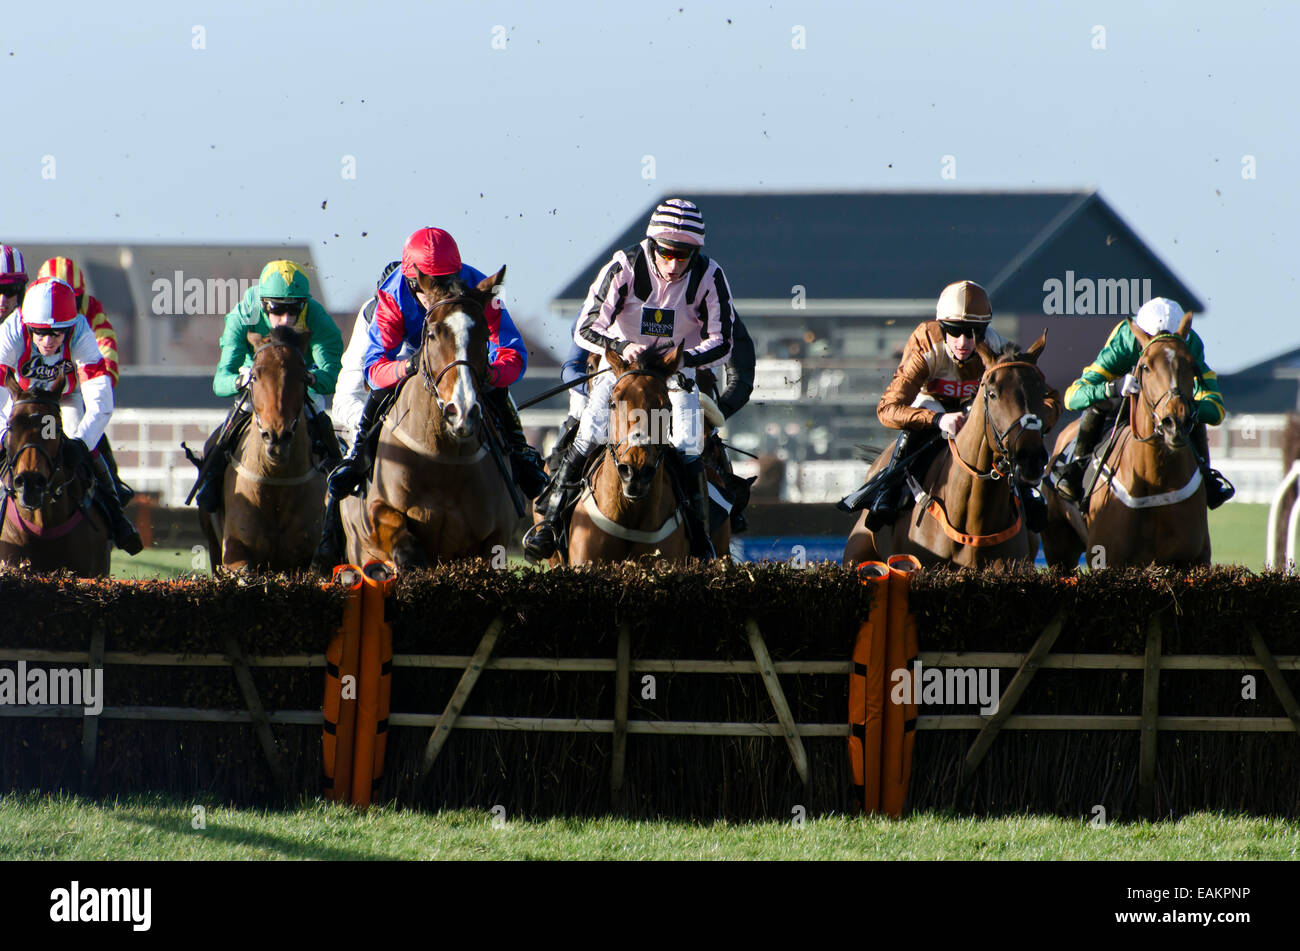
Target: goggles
(963, 330)
(291, 307)
(674, 254)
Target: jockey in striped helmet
(658, 293)
(13, 279)
(49, 344)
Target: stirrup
(537, 546)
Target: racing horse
(1148, 504)
(438, 490)
(627, 508)
(272, 494)
(47, 519)
(970, 514)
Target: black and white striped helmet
(677, 223)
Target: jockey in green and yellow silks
(282, 297)
(1108, 379)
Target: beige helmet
(964, 302)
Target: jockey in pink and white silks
(46, 344)
(658, 293)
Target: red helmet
(50, 304)
(430, 251)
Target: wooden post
(90, 724)
(621, 674)
(764, 660)
(1150, 711)
(1274, 673)
(261, 725)
(1011, 696)
(460, 695)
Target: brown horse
(970, 516)
(45, 522)
(272, 495)
(1148, 504)
(438, 491)
(628, 509)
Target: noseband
(430, 381)
(1184, 427)
(54, 490)
(1003, 463)
(612, 448)
(257, 420)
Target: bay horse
(627, 509)
(1148, 505)
(970, 515)
(273, 494)
(438, 491)
(47, 520)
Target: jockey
(653, 294)
(1109, 379)
(89, 307)
(430, 259)
(47, 340)
(929, 396)
(13, 280)
(351, 392)
(281, 298)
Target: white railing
(1292, 522)
(147, 445)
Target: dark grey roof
(909, 245)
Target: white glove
(245, 374)
(950, 424)
(632, 351)
(1129, 385)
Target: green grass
(65, 827)
(1238, 533)
(159, 563)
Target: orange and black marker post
(340, 707)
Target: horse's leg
(1062, 545)
(235, 555)
(394, 536)
(861, 545)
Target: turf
(64, 827)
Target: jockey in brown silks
(928, 398)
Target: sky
(524, 128)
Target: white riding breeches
(686, 430)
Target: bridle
(611, 447)
(53, 491)
(1184, 426)
(432, 382)
(257, 420)
(1003, 450)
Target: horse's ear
(256, 340)
(673, 359)
(13, 386)
(617, 362)
(1139, 334)
(1036, 348)
(57, 386)
(489, 284)
(986, 354)
(1185, 325)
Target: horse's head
(454, 351)
(1166, 372)
(278, 389)
(1014, 394)
(640, 416)
(32, 443)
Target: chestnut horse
(971, 516)
(45, 521)
(627, 509)
(273, 493)
(438, 491)
(1148, 504)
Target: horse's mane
(653, 359)
(1011, 353)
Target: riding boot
(208, 496)
(324, 441)
(124, 492)
(1217, 488)
(1034, 505)
(696, 508)
(883, 494)
(1069, 478)
(354, 468)
(542, 540)
(124, 534)
(525, 462)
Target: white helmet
(1159, 315)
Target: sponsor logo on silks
(949, 687)
(657, 321)
(39, 371)
(77, 904)
(953, 389)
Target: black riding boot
(525, 461)
(124, 492)
(1069, 479)
(883, 493)
(542, 540)
(346, 478)
(1217, 488)
(124, 534)
(324, 441)
(215, 448)
(696, 508)
(1034, 505)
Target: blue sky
(532, 155)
